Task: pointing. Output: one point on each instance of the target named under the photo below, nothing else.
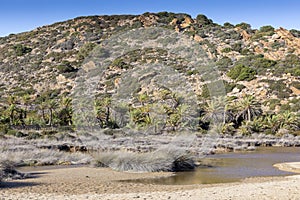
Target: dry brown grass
(165, 159)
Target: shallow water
(231, 167)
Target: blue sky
(24, 15)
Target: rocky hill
(43, 63)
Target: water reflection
(231, 167)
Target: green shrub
(263, 31)
(85, 50)
(226, 50)
(165, 17)
(292, 60)
(11, 132)
(262, 64)
(245, 51)
(191, 72)
(15, 133)
(278, 88)
(203, 20)
(65, 67)
(49, 132)
(58, 56)
(291, 64)
(249, 60)
(4, 128)
(120, 63)
(240, 87)
(228, 25)
(276, 45)
(224, 63)
(295, 33)
(34, 136)
(21, 50)
(243, 26)
(266, 29)
(296, 72)
(257, 62)
(20, 134)
(237, 47)
(205, 92)
(229, 86)
(241, 73)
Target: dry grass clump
(8, 171)
(165, 159)
(29, 152)
(44, 157)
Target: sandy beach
(102, 183)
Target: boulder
(149, 20)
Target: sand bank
(104, 184)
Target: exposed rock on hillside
(46, 60)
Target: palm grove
(234, 116)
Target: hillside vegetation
(260, 70)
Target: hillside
(42, 65)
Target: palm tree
(26, 100)
(286, 120)
(245, 128)
(215, 110)
(289, 120)
(65, 113)
(226, 128)
(175, 116)
(271, 122)
(143, 98)
(12, 108)
(256, 124)
(103, 111)
(139, 111)
(51, 105)
(248, 108)
(140, 116)
(42, 107)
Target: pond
(232, 167)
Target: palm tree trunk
(249, 115)
(70, 120)
(50, 118)
(107, 116)
(43, 116)
(11, 117)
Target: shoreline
(102, 183)
(289, 167)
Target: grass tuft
(165, 159)
(8, 171)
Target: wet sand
(289, 167)
(104, 184)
